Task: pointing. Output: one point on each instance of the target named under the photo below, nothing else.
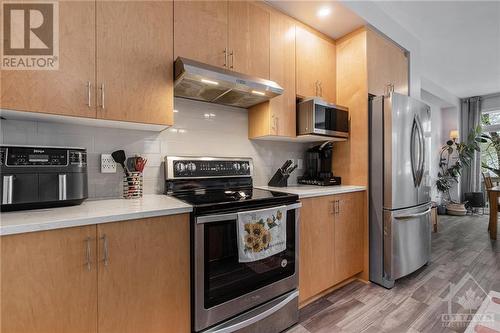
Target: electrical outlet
(108, 164)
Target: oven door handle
(239, 323)
(233, 216)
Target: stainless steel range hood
(199, 81)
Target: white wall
(225, 134)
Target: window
(490, 151)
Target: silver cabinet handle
(232, 59)
(105, 258)
(316, 93)
(225, 57)
(337, 206)
(102, 95)
(320, 88)
(89, 94)
(88, 255)
(62, 187)
(7, 189)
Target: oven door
(224, 287)
(331, 120)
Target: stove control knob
(180, 167)
(245, 166)
(191, 167)
(236, 166)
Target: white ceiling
(340, 22)
(459, 40)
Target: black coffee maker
(319, 166)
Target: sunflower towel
(261, 233)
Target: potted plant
(453, 157)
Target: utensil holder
(133, 185)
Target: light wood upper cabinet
(49, 281)
(248, 38)
(230, 34)
(350, 221)
(144, 275)
(64, 91)
(277, 117)
(315, 71)
(387, 64)
(135, 61)
(201, 31)
(316, 256)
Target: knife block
(279, 179)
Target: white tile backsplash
(225, 133)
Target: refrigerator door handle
(410, 216)
(421, 144)
(412, 152)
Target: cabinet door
(387, 64)
(315, 72)
(248, 38)
(316, 246)
(47, 285)
(282, 71)
(64, 91)
(350, 221)
(135, 61)
(144, 275)
(277, 117)
(200, 29)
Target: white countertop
(309, 191)
(90, 212)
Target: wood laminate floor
(464, 261)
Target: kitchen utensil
(120, 158)
(290, 170)
(286, 165)
(140, 163)
(131, 163)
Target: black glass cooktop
(233, 199)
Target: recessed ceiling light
(324, 12)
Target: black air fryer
(41, 177)
(319, 166)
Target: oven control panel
(207, 167)
(41, 156)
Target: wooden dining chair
(488, 183)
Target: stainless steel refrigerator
(400, 208)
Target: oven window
(226, 278)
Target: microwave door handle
(8, 190)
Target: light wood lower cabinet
(48, 282)
(143, 283)
(130, 276)
(332, 233)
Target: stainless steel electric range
(229, 296)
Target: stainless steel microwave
(317, 117)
